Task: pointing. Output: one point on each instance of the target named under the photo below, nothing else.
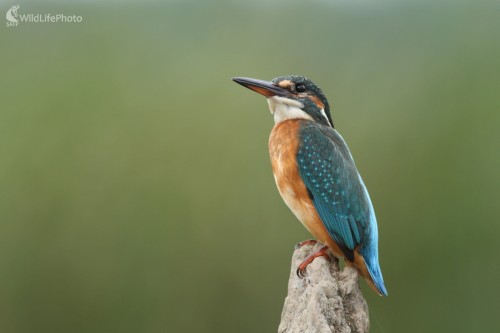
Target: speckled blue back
(338, 193)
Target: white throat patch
(285, 108)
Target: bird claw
(301, 270)
(301, 273)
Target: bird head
(291, 97)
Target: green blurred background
(136, 193)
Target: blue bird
(316, 175)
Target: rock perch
(327, 300)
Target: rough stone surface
(326, 300)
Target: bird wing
(334, 185)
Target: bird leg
(306, 242)
(301, 270)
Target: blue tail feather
(376, 275)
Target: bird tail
(374, 277)
(369, 268)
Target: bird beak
(265, 88)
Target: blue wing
(336, 189)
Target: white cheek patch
(324, 115)
(285, 108)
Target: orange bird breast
(283, 147)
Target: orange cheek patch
(317, 101)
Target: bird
(316, 176)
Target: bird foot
(301, 270)
(306, 242)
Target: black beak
(265, 88)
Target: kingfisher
(316, 175)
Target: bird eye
(300, 88)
